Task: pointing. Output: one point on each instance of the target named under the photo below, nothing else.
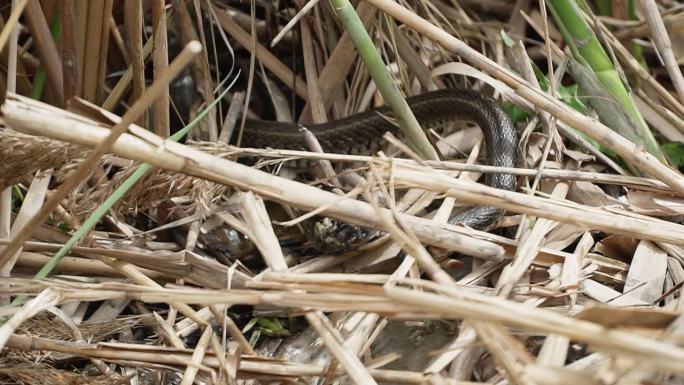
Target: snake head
(228, 242)
(332, 236)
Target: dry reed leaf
(557, 274)
(590, 194)
(655, 204)
(30, 375)
(617, 247)
(32, 203)
(466, 70)
(628, 317)
(668, 124)
(606, 295)
(563, 236)
(646, 272)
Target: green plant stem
(587, 49)
(38, 86)
(383, 80)
(636, 49)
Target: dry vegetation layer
(128, 258)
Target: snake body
(362, 133)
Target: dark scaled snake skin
(362, 133)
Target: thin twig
(662, 41)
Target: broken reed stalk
(133, 21)
(561, 174)
(160, 61)
(664, 45)
(90, 61)
(181, 158)
(593, 218)
(290, 24)
(631, 153)
(68, 41)
(270, 61)
(12, 22)
(429, 301)
(46, 299)
(50, 58)
(248, 363)
(341, 60)
(32, 153)
(198, 355)
(104, 49)
(256, 217)
(117, 194)
(310, 71)
(75, 177)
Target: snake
(362, 133)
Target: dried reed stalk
(91, 160)
(641, 227)
(438, 302)
(160, 59)
(91, 53)
(248, 365)
(631, 153)
(133, 20)
(104, 49)
(662, 41)
(177, 157)
(46, 47)
(11, 22)
(67, 16)
(280, 70)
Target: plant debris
(141, 242)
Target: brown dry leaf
(628, 317)
(459, 144)
(675, 28)
(578, 156)
(156, 247)
(590, 194)
(535, 148)
(617, 247)
(658, 205)
(563, 236)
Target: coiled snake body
(362, 133)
